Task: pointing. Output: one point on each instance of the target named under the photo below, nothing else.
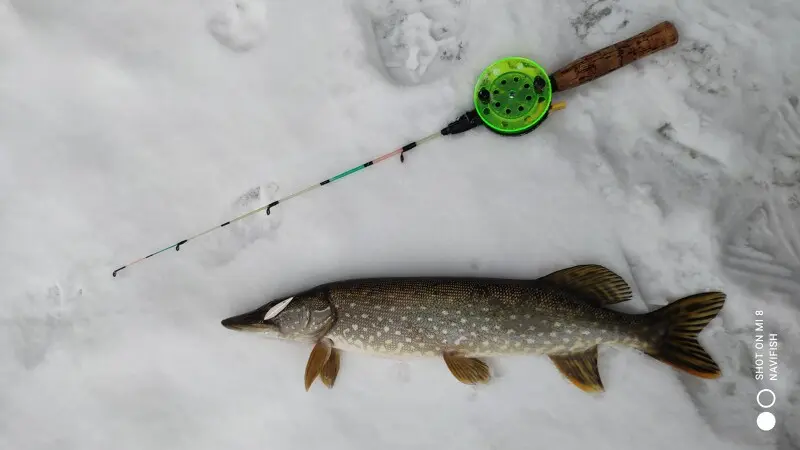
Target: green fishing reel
(513, 96)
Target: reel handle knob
(613, 57)
(484, 95)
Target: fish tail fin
(683, 321)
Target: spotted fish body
(562, 315)
(426, 317)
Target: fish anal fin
(581, 369)
(593, 283)
(330, 369)
(467, 370)
(320, 355)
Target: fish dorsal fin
(580, 369)
(593, 283)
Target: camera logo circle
(766, 399)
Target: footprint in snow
(709, 71)
(223, 245)
(605, 14)
(761, 243)
(36, 325)
(414, 42)
(240, 25)
(779, 142)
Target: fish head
(303, 317)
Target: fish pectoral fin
(580, 369)
(593, 283)
(320, 355)
(467, 370)
(330, 369)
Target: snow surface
(128, 125)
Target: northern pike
(562, 315)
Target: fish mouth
(231, 324)
(251, 321)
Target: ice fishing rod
(512, 97)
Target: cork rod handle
(613, 57)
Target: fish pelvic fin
(320, 355)
(467, 370)
(330, 369)
(684, 320)
(580, 369)
(593, 283)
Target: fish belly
(478, 317)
